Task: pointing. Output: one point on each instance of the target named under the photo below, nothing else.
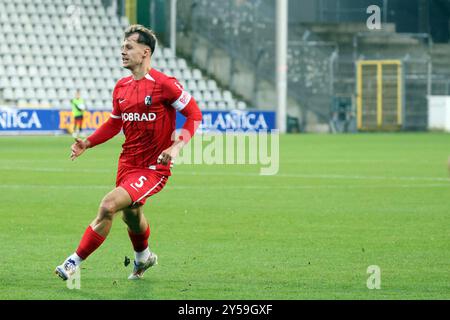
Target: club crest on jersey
(148, 100)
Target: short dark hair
(146, 36)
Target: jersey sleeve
(116, 113)
(184, 103)
(111, 127)
(175, 95)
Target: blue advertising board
(235, 120)
(44, 121)
(28, 120)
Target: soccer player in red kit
(144, 107)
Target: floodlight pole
(281, 62)
(173, 26)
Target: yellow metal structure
(131, 10)
(379, 94)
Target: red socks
(140, 241)
(90, 241)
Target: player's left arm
(184, 103)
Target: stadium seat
(60, 61)
(20, 61)
(198, 96)
(241, 105)
(196, 74)
(4, 49)
(99, 82)
(20, 38)
(54, 103)
(227, 97)
(182, 64)
(65, 104)
(44, 103)
(172, 64)
(48, 83)
(8, 94)
(51, 94)
(211, 105)
(7, 60)
(33, 102)
(106, 73)
(40, 93)
(116, 74)
(18, 93)
(29, 60)
(13, 81)
(177, 74)
(167, 52)
(187, 74)
(201, 85)
(30, 93)
(211, 84)
(36, 82)
(26, 82)
(92, 94)
(207, 96)
(62, 93)
(161, 64)
(4, 81)
(221, 105)
(191, 85)
(68, 83)
(216, 95)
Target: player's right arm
(78, 148)
(105, 132)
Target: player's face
(133, 53)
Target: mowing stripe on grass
(244, 174)
(254, 187)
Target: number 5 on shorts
(139, 184)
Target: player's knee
(107, 209)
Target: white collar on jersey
(149, 77)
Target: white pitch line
(244, 174)
(312, 161)
(70, 170)
(255, 187)
(359, 177)
(316, 176)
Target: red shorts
(140, 183)
(78, 121)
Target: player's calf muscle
(135, 220)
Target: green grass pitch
(339, 205)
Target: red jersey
(146, 111)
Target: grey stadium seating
(50, 48)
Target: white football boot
(66, 270)
(141, 267)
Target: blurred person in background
(78, 109)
